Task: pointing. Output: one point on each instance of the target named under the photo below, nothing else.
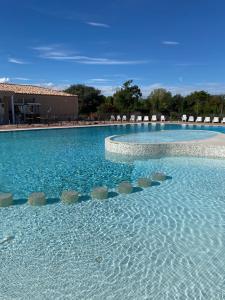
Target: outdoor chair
(191, 119)
(118, 118)
(223, 120)
(124, 118)
(198, 120)
(162, 118)
(207, 120)
(132, 118)
(154, 118)
(139, 118)
(215, 120)
(184, 118)
(112, 118)
(146, 118)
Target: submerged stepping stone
(144, 182)
(100, 193)
(37, 199)
(6, 199)
(125, 187)
(69, 197)
(158, 176)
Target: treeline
(128, 100)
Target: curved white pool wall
(210, 147)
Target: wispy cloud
(107, 90)
(58, 54)
(96, 24)
(17, 61)
(99, 80)
(52, 85)
(190, 64)
(21, 78)
(4, 79)
(107, 61)
(170, 43)
(180, 88)
(185, 89)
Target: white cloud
(170, 43)
(4, 79)
(95, 24)
(99, 80)
(106, 61)
(16, 61)
(43, 48)
(212, 88)
(55, 53)
(185, 89)
(107, 90)
(52, 85)
(21, 78)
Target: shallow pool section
(165, 136)
(164, 242)
(197, 143)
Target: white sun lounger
(139, 118)
(132, 118)
(162, 118)
(112, 118)
(118, 118)
(146, 118)
(154, 118)
(191, 119)
(207, 120)
(223, 120)
(198, 120)
(184, 118)
(124, 118)
(215, 120)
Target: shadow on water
(24, 201)
(52, 200)
(84, 198)
(155, 183)
(169, 177)
(136, 189)
(19, 201)
(112, 194)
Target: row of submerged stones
(100, 193)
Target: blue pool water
(163, 242)
(165, 136)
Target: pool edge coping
(109, 124)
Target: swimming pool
(163, 242)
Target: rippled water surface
(165, 136)
(163, 242)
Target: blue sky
(176, 44)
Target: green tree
(89, 97)
(196, 102)
(177, 104)
(159, 101)
(126, 98)
(215, 105)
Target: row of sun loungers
(133, 118)
(162, 118)
(184, 118)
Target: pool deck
(67, 125)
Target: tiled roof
(30, 89)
